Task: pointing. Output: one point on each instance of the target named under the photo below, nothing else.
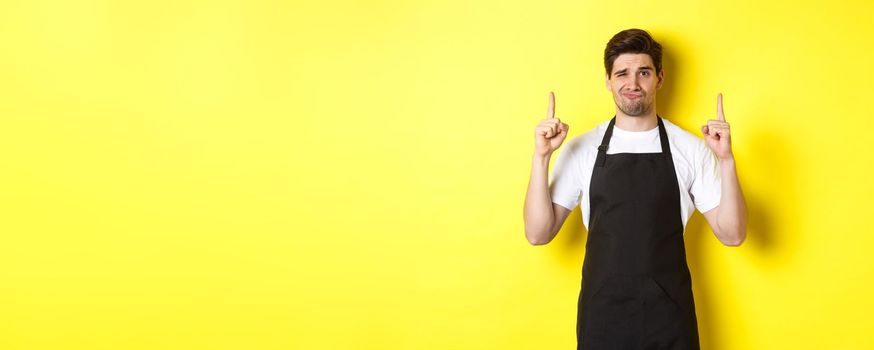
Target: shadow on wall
(665, 96)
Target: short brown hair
(632, 41)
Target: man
(638, 179)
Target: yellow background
(351, 174)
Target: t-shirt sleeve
(565, 179)
(707, 185)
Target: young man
(638, 178)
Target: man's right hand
(550, 133)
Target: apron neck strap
(605, 142)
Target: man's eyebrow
(625, 70)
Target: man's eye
(644, 73)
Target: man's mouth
(631, 96)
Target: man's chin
(634, 112)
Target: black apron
(637, 290)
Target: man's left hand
(717, 133)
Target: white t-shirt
(696, 166)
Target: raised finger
(719, 112)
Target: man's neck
(639, 123)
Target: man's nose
(633, 84)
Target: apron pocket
(615, 305)
(657, 292)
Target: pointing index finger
(550, 110)
(719, 112)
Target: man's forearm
(539, 216)
(732, 219)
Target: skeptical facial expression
(633, 83)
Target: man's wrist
(727, 162)
(542, 159)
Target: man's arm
(729, 219)
(542, 218)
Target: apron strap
(605, 143)
(663, 137)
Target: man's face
(633, 83)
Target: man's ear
(661, 76)
(607, 82)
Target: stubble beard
(633, 108)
